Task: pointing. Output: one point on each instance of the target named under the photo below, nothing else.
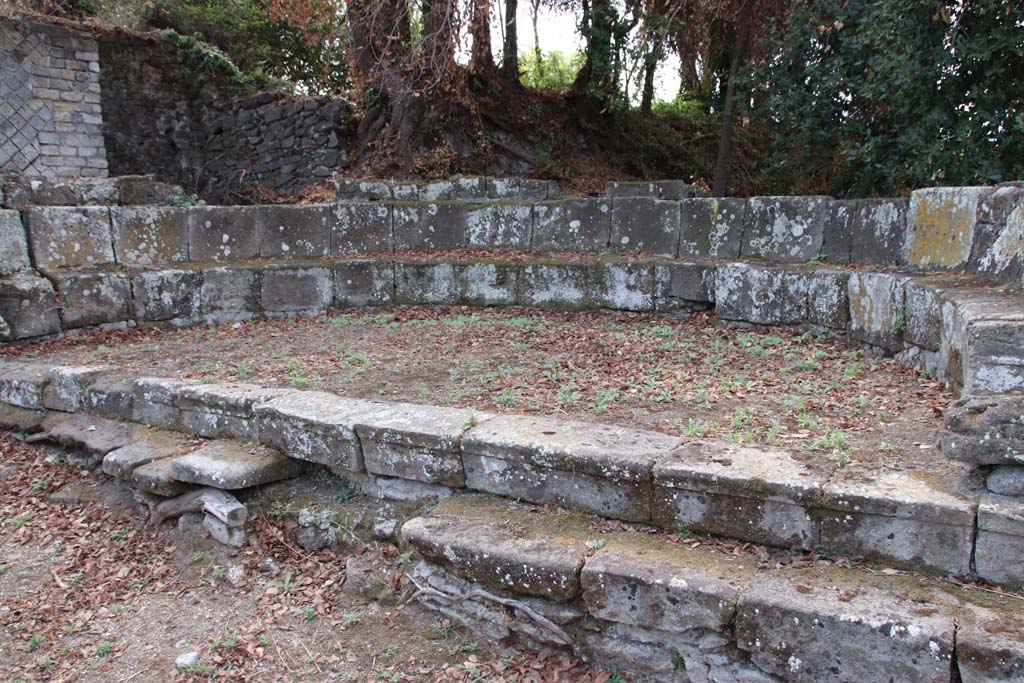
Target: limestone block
(22, 385)
(757, 294)
(150, 235)
(67, 386)
(361, 228)
(924, 313)
(482, 284)
(296, 288)
(232, 465)
(754, 494)
(833, 627)
(150, 446)
(877, 231)
(999, 550)
(110, 396)
(28, 307)
(624, 286)
(898, 519)
(993, 355)
(223, 410)
(784, 229)
(998, 250)
(167, 295)
(569, 286)
(230, 293)
(155, 477)
(154, 401)
(418, 442)
(681, 286)
(436, 226)
(13, 244)
(877, 312)
(521, 189)
(711, 228)
(360, 283)
(222, 233)
(837, 236)
(62, 237)
(598, 468)
(822, 295)
(294, 231)
(985, 430)
(941, 225)
(94, 435)
(650, 225)
(576, 225)
(499, 226)
(91, 297)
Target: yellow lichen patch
(941, 226)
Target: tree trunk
(538, 56)
(721, 174)
(481, 58)
(510, 50)
(650, 66)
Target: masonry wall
(50, 105)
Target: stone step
(232, 465)
(661, 610)
(95, 435)
(154, 445)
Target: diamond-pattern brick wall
(51, 121)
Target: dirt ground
(816, 397)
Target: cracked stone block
(90, 298)
(361, 283)
(998, 250)
(650, 225)
(598, 468)
(222, 233)
(784, 229)
(753, 494)
(470, 284)
(681, 286)
(568, 286)
(999, 550)
(430, 227)
(877, 309)
(154, 401)
(300, 231)
(989, 630)
(418, 442)
(28, 307)
(22, 385)
(223, 410)
(361, 228)
(575, 225)
(13, 244)
(296, 288)
(232, 465)
(711, 227)
(167, 295)
(898, 519)
(833, 627)
(230, 293)
(941, 225)
(67, 387)
(150, 235)
(503, 225)
(62, 237)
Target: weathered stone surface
(431, 283)
(154, 401)
(172, 295)
(429, 227)
(897, 518)
(67, 386)
(837, 237)
(418, 442)
(999, 549)
(877, 231)
(784, 229)
(877, 312)
(993, 352)
(362, 283)
(67, 237)
(230, 536)
(297, 231)
(155, 477)
(754, 494)
(316, 427)
(571, 286)
(990, 630)
(598, 468)
(711, 228)
(581, 225)
(90, 297)
(650, 225)
(625, 286)
(28, 307)
(95, 435)
(361, 228)
(521, 189)
(680, 286)
(298, 288)
(822, 294)
(755, 293)
(657, 189)
(23, 384)
(143, 189)
(923, 313)
(230, 293)
(1006, 480)
(502, 225)
(110, 396)
(998, 250)
(361, 189)
(834, 627)
(232, 465)
(150, 235)
(223, 410)
(940, 226)
(14, 419)
(150, 446)
(222, 233)
(13, 244)
(467, 188)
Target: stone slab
(151, 446)
(167, 295)
(500, 225)
(233, 465)
(711, 228)
(988, 638)
(361, 283)
(574, 225)
(23, 385)
(13, 244)
(294, 231)
(624, 285)
(110, 396)
(681, 286)
(155, 477)
(434, 226)
(67, 386)
(91, 297)
(14, 419)
(361, 189)
(999, 549)
(28, 307)
(649, 225)
(1006, 480)
(296, 289)
(150, 235)
(464, 284)
(222, 233)
(521, 189)
(154, 401)
(877, 309)
(940, 227)
(223, 410)
(64, 237)
(784, 229)
(998, 250)
(361, 228)
(877, 231)
(95, 435)
(565, 286)
(230, 293)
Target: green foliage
(880, 96)
(557, 70)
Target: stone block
(432, 283)
(230, 293)
(223, 410)
(315, 427)
(94, 435)
(14, 419)
(232, 465)
(154, 401)
(988, 637)
(468, 188)
(898, 519)
(233, 537)
(151, 446)
(923, 313)
(1006, 480)
(110, 396)
(302, 288)
(568, 286)
(833, 627)
(632, 190)
(499, 226)
(985, 430)
(294, 231)
(418, 442)
(837, 237)
(28, 307)
(361, 189)
(146, 190)
(99, 191)
(822, 293)
(67, 386)
(784, 229)
(877, 309)
(361, 228)
(941, 225)
(150, 235)
(222, 233)
(172, 295)
(998, 250)
(155, 477)
(999, 549)
(519, 189)
(877, 229)
(758, 294)
(573, 225)
(650, 225)
(711, 228)
(625, 285)
(753, 494)
(90, 297)
(436, 226)
(22, 385)
(13, 244)
(597, 468)
(361, 283)
(993, 353)
(62, 237)
(681, 286)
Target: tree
(481, 59)
(510, 48)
